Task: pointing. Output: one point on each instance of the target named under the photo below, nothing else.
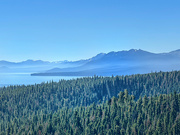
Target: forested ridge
(37, 106)
(118, 116)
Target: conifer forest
(141, 104)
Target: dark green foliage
(113, 118)
(52, 96)
(48, 108)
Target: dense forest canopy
(118, 116)
(100, 103)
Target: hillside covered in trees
(118, 116)
(50, 107)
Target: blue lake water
(7, 79)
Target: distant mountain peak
(34, 61)
(100, 55)
(30, 60)
(133, 50)
(136, 50)
(175, 51)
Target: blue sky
(79, 29)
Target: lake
(7, 79)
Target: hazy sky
(79, 29)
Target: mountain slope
(31, 66)
(105, 64)
(122, 63)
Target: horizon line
(55, 61)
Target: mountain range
(104, 64)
